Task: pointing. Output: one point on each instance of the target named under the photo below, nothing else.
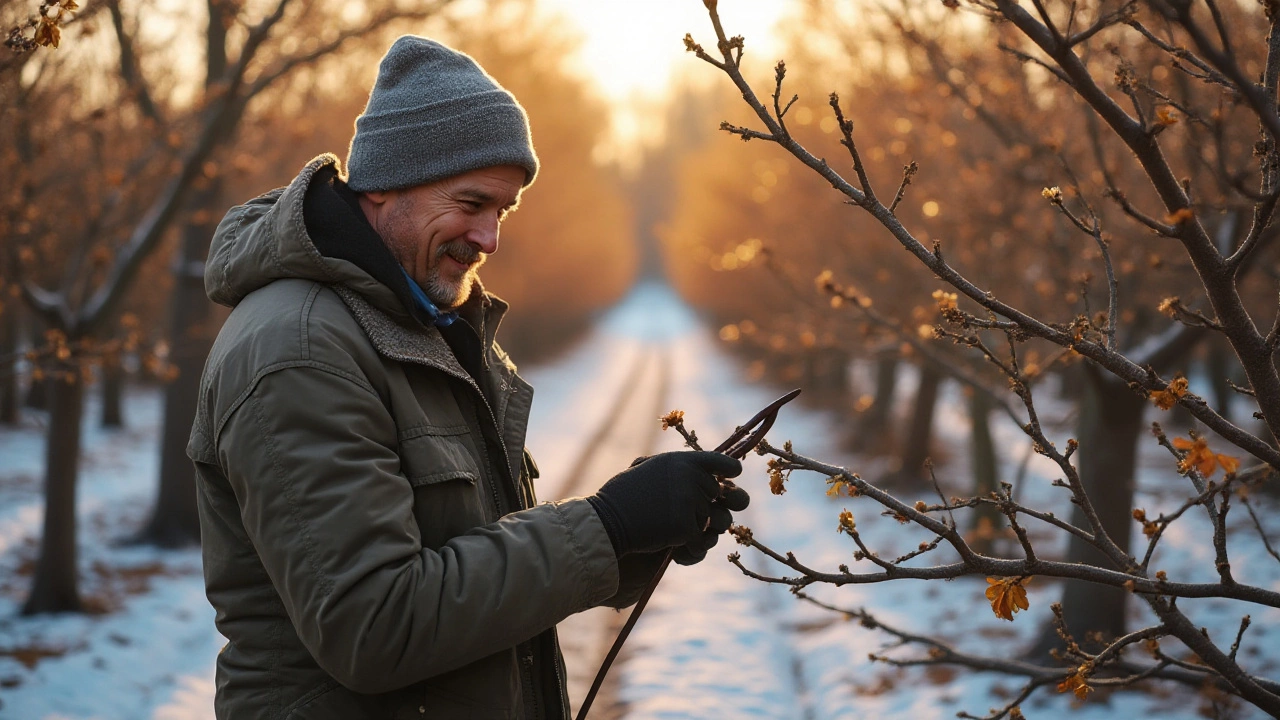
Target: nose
(483, 233)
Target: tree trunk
(9, 369)
(54, 587)
(1071, 382)
(872, 427)
(826, 376)
(986, 519)
(112, 392)
(38, 394)
(919, 436)
(175, 520)
(37, 397)
(1109, 426)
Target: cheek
(401, 237)
(452, 226)
(397, 241)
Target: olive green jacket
(371, 539)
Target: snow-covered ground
(151, 655)
(713, 643)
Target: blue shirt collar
(438, 317)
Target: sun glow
(634, 53)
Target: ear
(376, 197)
(371, 203)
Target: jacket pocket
(488, 689)
(334, 702)
(431, 454)
(450, 494)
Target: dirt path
(629, 430)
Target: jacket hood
(266, 240)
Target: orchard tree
(1141, 76)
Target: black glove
(670, 500)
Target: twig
(908, 171)
(1257, 524)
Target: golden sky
(633, 50)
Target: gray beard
(447, 296)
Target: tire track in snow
(578, 479)
(628, 430)
(609, 704)
(713, 644)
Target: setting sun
(634, 51)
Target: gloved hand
(670, 500)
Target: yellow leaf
(846, 522)
(1167, 398)
(946, 301)
(48, 33)
(1077, 682)
(1007, 596)
(1200, 457)
(776, 481)
(836, 486)
(1228, 463)
(1149, 528)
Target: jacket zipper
(493, 486)
(530, 688)
(493, 425)
(506, 463)
(557, 660)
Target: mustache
(460, 250)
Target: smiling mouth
(463, 264)
(463, 253)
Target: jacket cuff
(610, 521)
(590, 543)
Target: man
(372, 543)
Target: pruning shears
(743, 440)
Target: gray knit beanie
(435, 113)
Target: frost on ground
(148, 650)
(713, 643)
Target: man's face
(442, 232)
